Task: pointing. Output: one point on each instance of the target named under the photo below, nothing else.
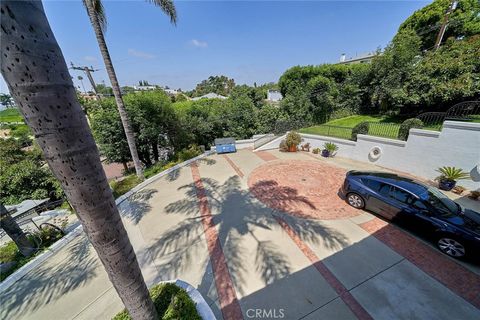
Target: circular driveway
(304, 188)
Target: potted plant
(316, 150)
(329, 149)
(458, 189)
(474, 195)
(306, 147)
(449, 176)
(293, 140)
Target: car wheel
(355, 200)
(454, 248)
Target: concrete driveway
(262, 235)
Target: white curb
(78, 228)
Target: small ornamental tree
(408, 124)
(361, 128)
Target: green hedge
(407, 125)
(171, 302)
(361, 128)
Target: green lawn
(382, 126)
(330, 131)
(352, 121)
(10, 115)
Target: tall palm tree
(11, 228)
(37, 76)
(98, 19)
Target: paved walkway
(214, 225)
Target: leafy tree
(392, 69)
(267, 117)
(127, 90)
(221, 85)
(256, 94)
(446, 76)
(153, 122)
(464, 21)
(23, 175)
(6, 100)
(104, 90)
(203, 120)
(108, 131)
(240, 118)
(323, 93)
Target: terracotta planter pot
(292, 148)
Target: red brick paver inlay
(304, 188)
(234, 166)
(344, 294)
(223, 281)
(265, 156)
(457, 278)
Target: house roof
(210, 95)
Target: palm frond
(100, 12)
(168, 7)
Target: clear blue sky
(249, 41)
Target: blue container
(225, 145)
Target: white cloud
(198, 43)
(140, 54)
(90, 59)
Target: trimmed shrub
(171, 303)
(361, 128)
(407, 125)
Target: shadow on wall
(50, 282)
(236, 214)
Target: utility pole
(88, 71)
(441, 33)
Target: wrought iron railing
(329, 131)
(464, 111)
(263, 140)
(383, 129)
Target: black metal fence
(464, 111)
(383, 129)
(329, 131)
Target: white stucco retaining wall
(458, 145)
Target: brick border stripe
(223, 281)
(234, 166)
(344, 294)
(265, 155)
(454, 276)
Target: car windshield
(440, 202)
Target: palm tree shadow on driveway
(236, 214)
(50, 282)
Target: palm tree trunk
(115, 86)
(37, 76)
(11, 228)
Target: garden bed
(171, 302)
(9, 252)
